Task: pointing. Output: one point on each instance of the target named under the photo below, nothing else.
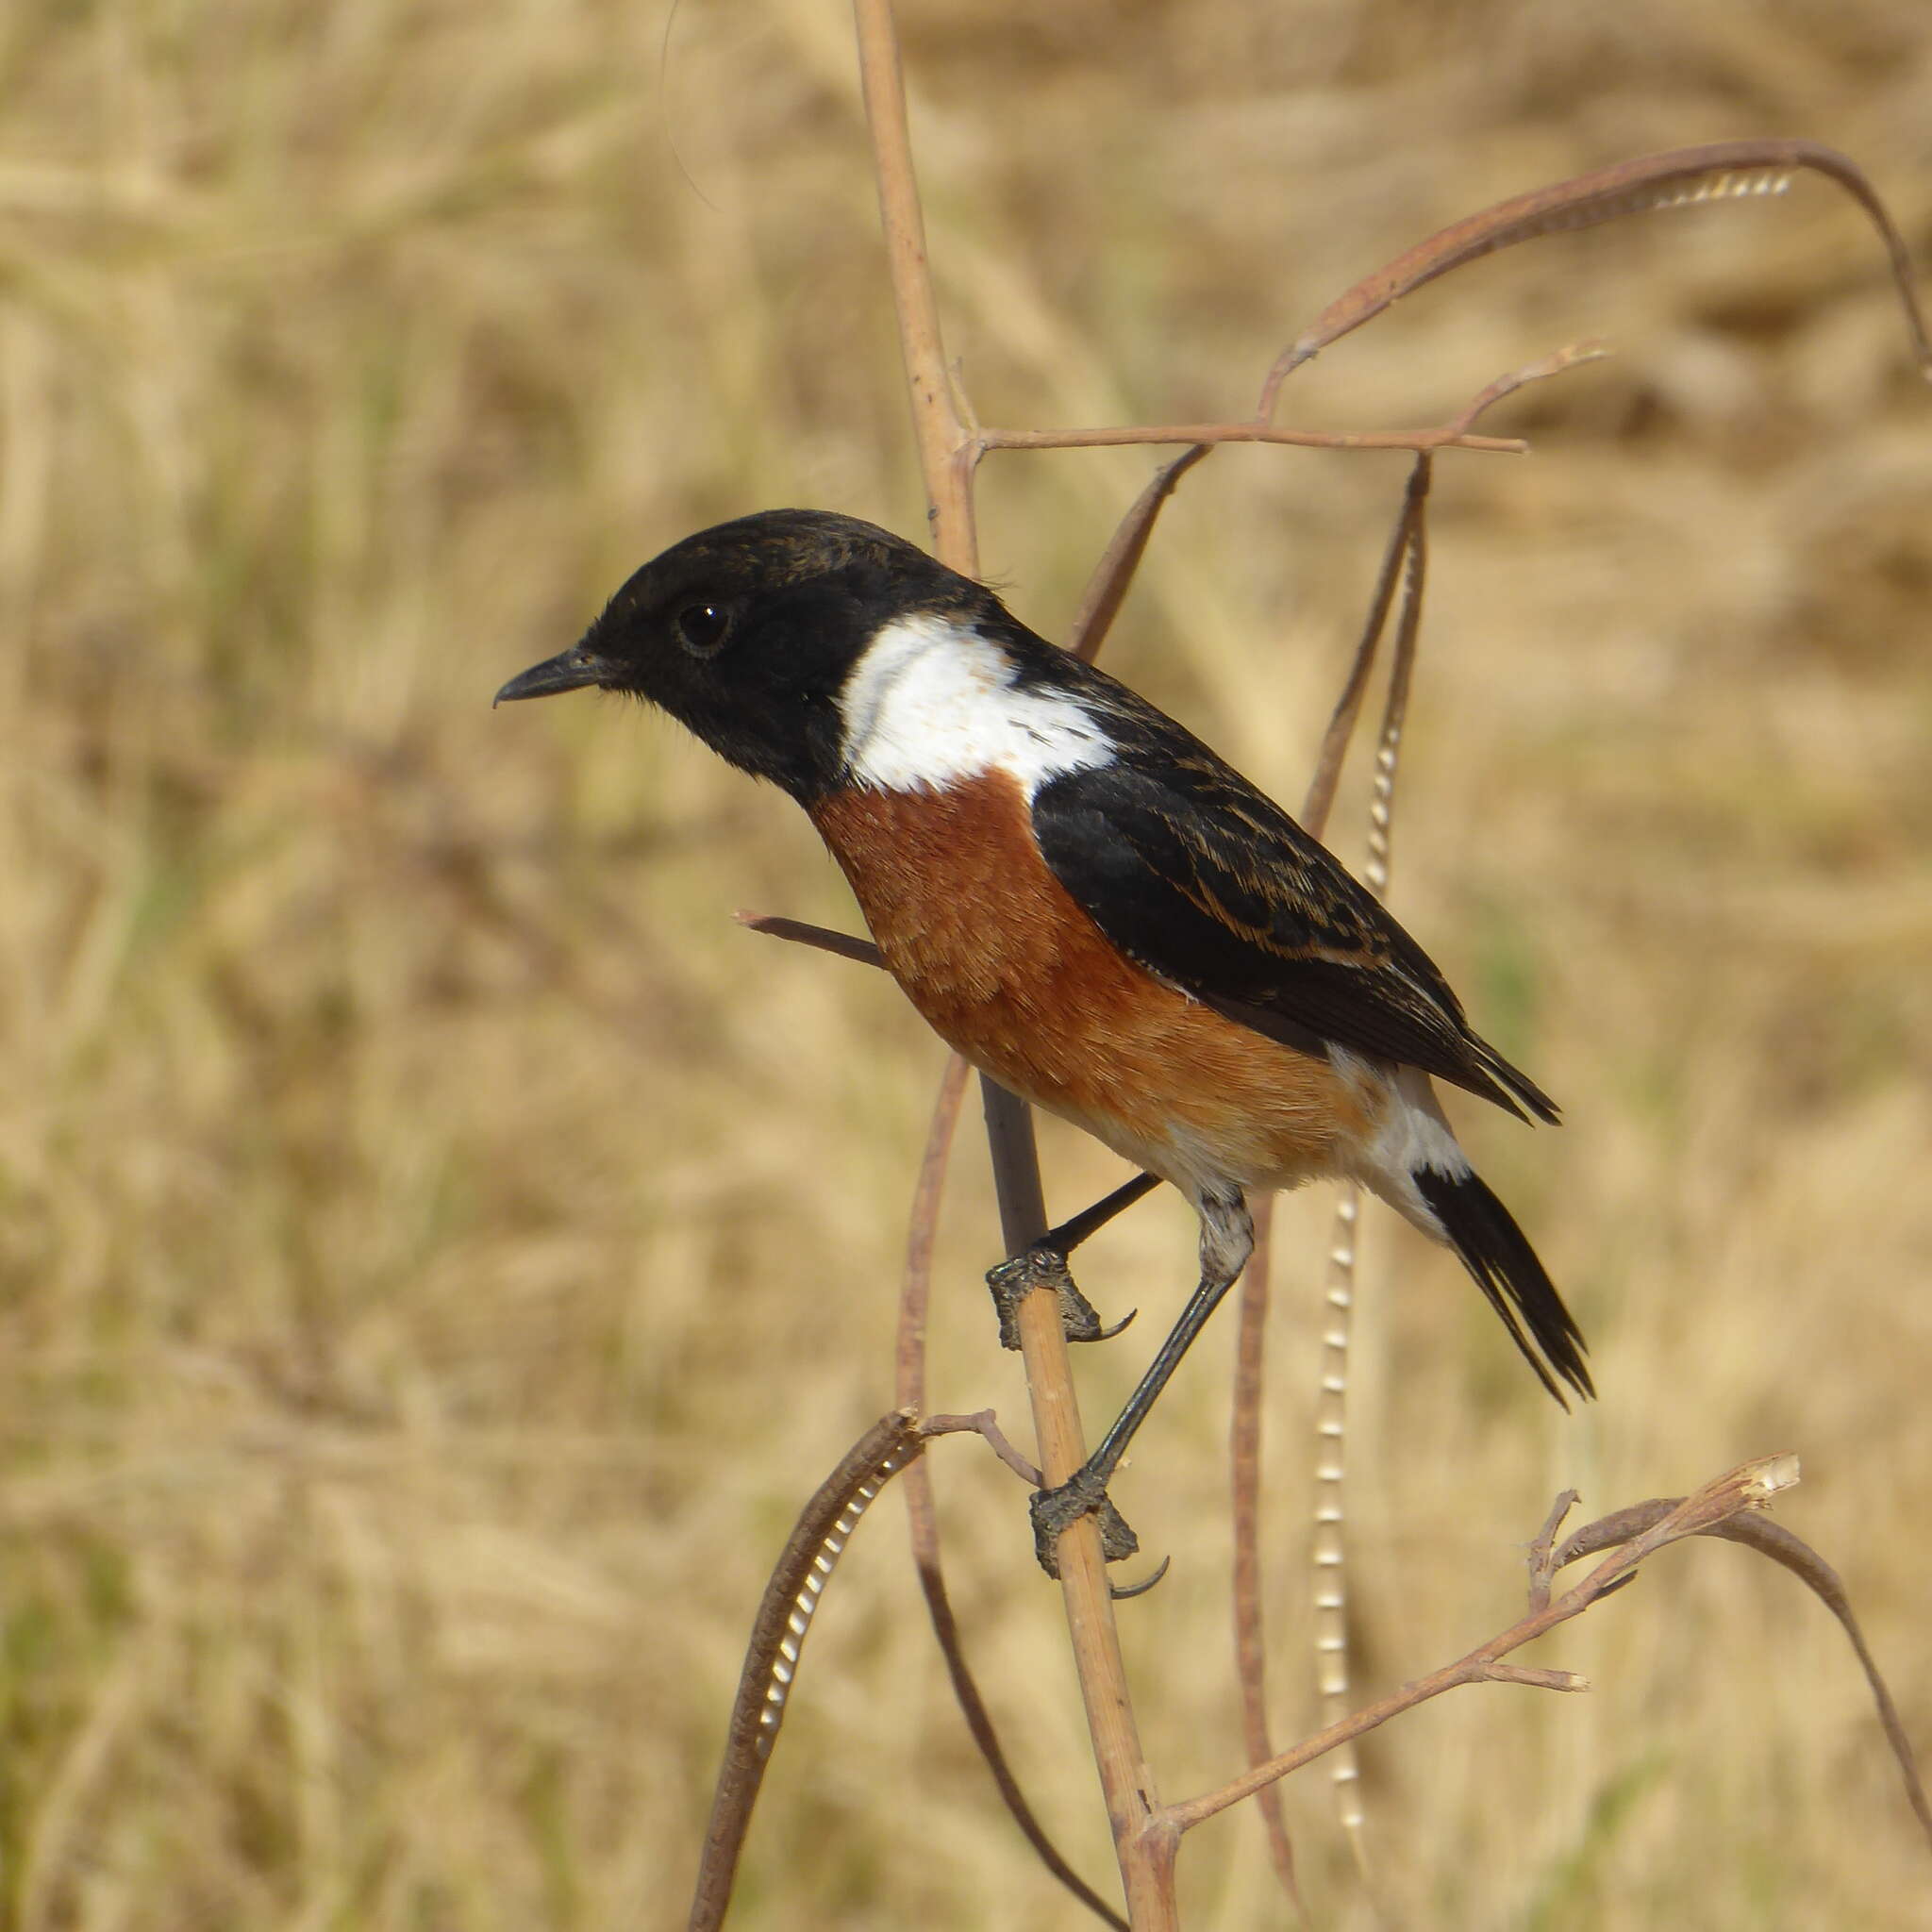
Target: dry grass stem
(844, 946)
(1444, 436)
(937, 426)
(1679, 178)
(1113, 576)
(1750, 1486)
(1329, 1625)
(921, 1509)
(1405, 559)
(791, 1600)
(1245, 1528)
(983, 1422)
(1783, 1547)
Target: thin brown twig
(915, 1283)
(1678, 177)
(1146, 1857)
(1106, 588)
(966, 1693)
(922, 1508)
(1749, 1486)
(1786, 1548)
(945, 459)
(1542, 1550)
(801, 932)
(1574, 356)
(1536, 1679)
(1244, 1482)
(1444, 436)
(1401, 674)
(1320, 800)
(983, 1421)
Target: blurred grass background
(440, 1250)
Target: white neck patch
(929, 702)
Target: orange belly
(1009, 971)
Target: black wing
(1193, 873)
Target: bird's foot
(1012, 1281)
(1055, 1510)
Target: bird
(1088, 904)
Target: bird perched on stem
(1085, 901)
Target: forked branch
(1749, 1486)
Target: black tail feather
(1496, 1252)
(1518, 1091)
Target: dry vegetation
(440, 1250)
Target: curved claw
(1038, 1267)
(1122, 1592)
(1054, 1510)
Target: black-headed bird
(1084, 900)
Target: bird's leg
(1228, 1239)
(1044, 1265)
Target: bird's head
(748, 634)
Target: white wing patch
(930, 701)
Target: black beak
(569, 669)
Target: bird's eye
(702, 628)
